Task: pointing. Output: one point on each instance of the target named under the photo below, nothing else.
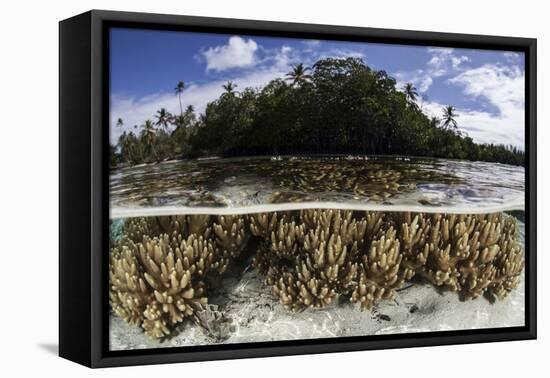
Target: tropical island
(336, 106)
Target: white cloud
(438, 63)
(344, 53)
(421, 79)
(312, 42)
(442, 62)
(134, 111)
(425, 83)
(511, 56)
(237, 53)
(484, 127)
(503, 88)
(310, 55)
(456, 61)
(279, 58)
(500, 86)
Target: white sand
(257, 316)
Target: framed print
(234, 188)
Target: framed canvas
(234, 188)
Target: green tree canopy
(336, 106)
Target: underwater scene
(205, 270)
(273, 189)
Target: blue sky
(486, 87)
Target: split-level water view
(294, 189)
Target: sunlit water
(244, 186)
(285, 183)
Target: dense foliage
(338, 106)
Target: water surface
(248, 185)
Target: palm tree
(119, 122)
(179, 90)
(229, 87)
(178, 121)
(434, 122)
(299, 75)
(410, 92)
(148, 135)
(449, 115)
(163, 118)
(186, 118)
(189, 115)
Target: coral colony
(160, 267)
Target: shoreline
(208, 159)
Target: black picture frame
(84, 205)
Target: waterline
(265, 208)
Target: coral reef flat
(258, 316)
(310, 259)
(247, 311)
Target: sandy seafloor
(252, 314)
(257, 316)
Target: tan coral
(262, 224)
(459, 252)
(154, 322)
(508, 263)
(169, 224)
(375, 221)
(509, 266)
(285, 238)
(327, 270)
(169, 275)
(135, 229)
(414, 235)
(448, 245)
(128, 292)
(198, 224)
(496, 260)
(477, 273)
(319, 262)
(298, 292)
(159, 267)
(328, 220)
(198, 255)
(230, 237)
(158, 281)
(379, 271)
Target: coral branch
(159, 280)
(379, 271)
(159, 267)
